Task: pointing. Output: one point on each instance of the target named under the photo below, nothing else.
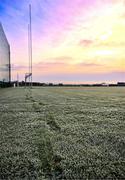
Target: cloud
(98, 43)
(18, 67)
(86, 42)
(61, 59)
(90, 65)
(57, 67)
(111, 44)
(60, 30)
(83, 77)
(65, 72)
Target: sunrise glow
(73, 41)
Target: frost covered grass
(62, 133)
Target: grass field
(62, 133)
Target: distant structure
(121, 83)
(5, 68)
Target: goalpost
(29, 74)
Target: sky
(78, 41)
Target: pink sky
(78, 41)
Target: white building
(5, 70)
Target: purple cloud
(86, 42)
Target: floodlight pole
(30, 41)
(29, 52)
(17, 80)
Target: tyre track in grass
(52, 132)
(18, 158)
(90, 124)
(46, 128)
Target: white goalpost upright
(29, 74)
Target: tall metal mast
(30, 42)
(29, 55)
(29, 74)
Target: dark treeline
(5, 84)
(23, 84)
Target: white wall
(4, 56)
